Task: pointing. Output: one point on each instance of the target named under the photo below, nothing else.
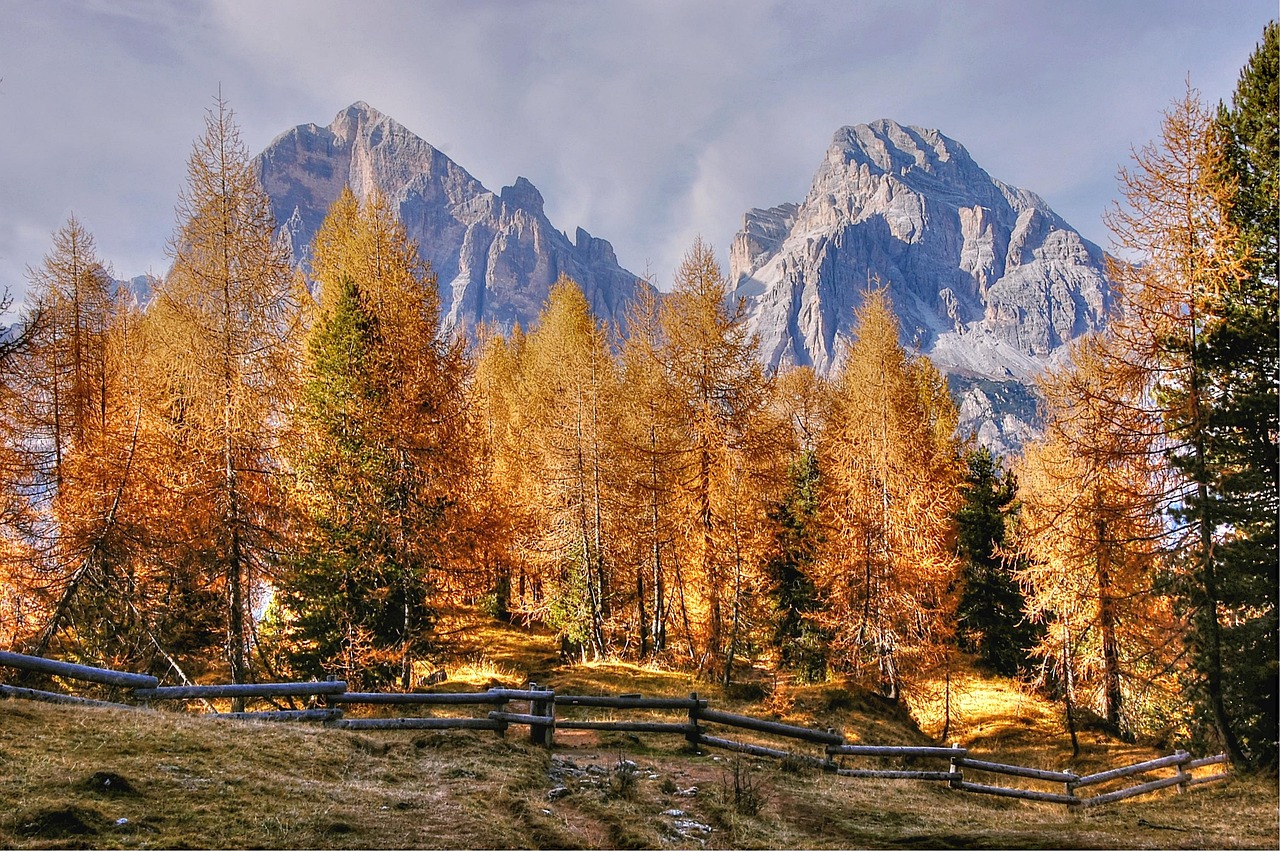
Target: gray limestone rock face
(985, 278)
(495, 256)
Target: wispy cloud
(645, 122)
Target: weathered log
(106, 676)
(53, 697)
(760, 750)
(1132, 791)
(283, 715)
(1016, 770)
(543, 734)
(1129, 770)
(746, 722)
(695, 730)
(894, 750)
(625, 702)
(522, 718)
(1196, 781)
(887, 774)
(1024, 794)
(415, 698)
(326, 687)
(1220, 759)
(420, 724)
(521, 694)
(623, 726)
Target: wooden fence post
(542, 734)
(501, 706)
(324, 699)
(535, 708)
(829, 764)
(549, 710)
(694, 731)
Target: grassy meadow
(81, 777)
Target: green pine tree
(1238, 351)
(800, 642)
(990, 616)
(342, 606)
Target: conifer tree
(59, 382)
(800, 643)
(380, 453)
(1177, 219)
(504, 519)
(1239, 355)
(569, 385)
(648, 450)
(1092, 489)
(889, 469)
(729, 470)
(224, 329)
(799, 398)
(991, 620)
(63, 403)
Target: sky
(647, 123)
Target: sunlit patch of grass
(479, 673)
(615, 677)
(466, 633)
(201, 782)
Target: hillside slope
(75, 777)
(86, 777)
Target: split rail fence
(950, 765)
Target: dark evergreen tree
(990, 617)
(800, 642)
(1238, 351)
(342, 606)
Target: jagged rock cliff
(985, 278)
(495, 255)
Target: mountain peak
(985, 278)
(495, 257)
(522, 195)
(887, 147)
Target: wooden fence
(540, 717)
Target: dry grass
(202, 782)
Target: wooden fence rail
(105, 676)
(1130, 770)
(311, 689)
(543, 723)
(54, 697)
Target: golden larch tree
(224, 327)
(889, 466)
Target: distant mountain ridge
(985, 278)
(495, 255)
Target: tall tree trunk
(1111, 694)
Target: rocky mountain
(986, 279)
(495, 256)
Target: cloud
(646, 123)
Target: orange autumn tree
(567, 410)
(380, 449)
(71, 436)
(728, 465)
(505, 581)
(223, 331)
(890, 468)
(648, 448)
(1092, 488)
